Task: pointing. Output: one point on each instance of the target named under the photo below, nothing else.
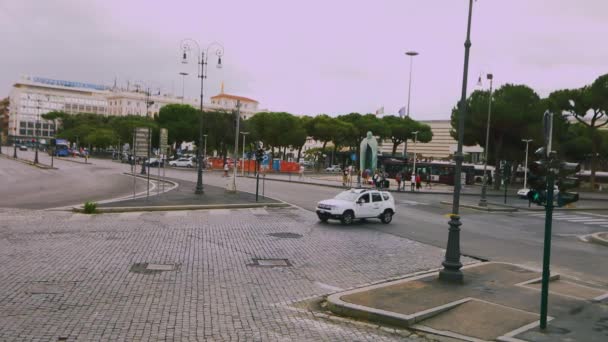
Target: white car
(181, 162)
(333, 168)
(357, 204)
(523, 193)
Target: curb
(31, 163)
(106, 210)
(73, 161)
(476, 207)
(596, 238)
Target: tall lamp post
(409, 92)
(184, 74)
(451, 272)
(483, 201)
(232, 185)
(243, 168)
(527, 141)
(202, 62)
(415, 137)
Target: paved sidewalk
(190, 275)
(497, 301)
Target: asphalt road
(510, 237)
(26, 186)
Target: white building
(31, 97)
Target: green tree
(102, 138)
(401, 130)
(182, 122)
(589, 106)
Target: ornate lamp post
(483, 201)
(183, 74)
(202, 62)
(451, 265)
(527, 141)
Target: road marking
(412, 202)
(602, 222)
(587, 220)
(568, 218)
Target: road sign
(164, 135)
(142, 141)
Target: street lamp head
(219, 62)
(490, 76)
(412, 53)
(183, 73)
(184, 57)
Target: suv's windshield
(347, 196)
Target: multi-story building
(4, 120)
(31, 97)
(443, 145)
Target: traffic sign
(164, 136)
(142, 142)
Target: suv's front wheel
(347, 217)
(387, 216)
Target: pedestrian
(398, 179)
(375, 179)
(301, 176)
(413, 182)
(226, 168)
(418, 182)
(428, 182)
(344, 177)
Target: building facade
(32, 97)
(441, 147)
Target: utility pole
(232, 185)
(527, 141)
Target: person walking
(418, 182)
(344, 176)
(413, 182)
(226, 169)
(428, 182)
(398, 179)
(375, 179)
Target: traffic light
(537, 179)
(566, 179)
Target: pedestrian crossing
(582, 218)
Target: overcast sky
(310, 57)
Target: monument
(368, 158)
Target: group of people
(415, 182)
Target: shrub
(90, 207)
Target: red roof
(233, 97)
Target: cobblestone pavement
(92, 277)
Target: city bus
(437, 171)
(61, 149)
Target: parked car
(22, 148)
(333, 168)
(181, 162)
(154, 162)
(357, 204)
(523, 193)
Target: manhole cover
(271, 262)
(285, 235)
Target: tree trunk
(299, 153)
(594, 145)
(395, 144)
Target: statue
(368, 159)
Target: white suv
(357, 204)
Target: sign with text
(164, 136)
(142, 142)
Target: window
(376, 197)
(22, 131)
(128, 103)
(22, 124)
(30, 125)
(364, 198)
(45, 126)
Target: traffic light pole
(547, 251)
(257, 178)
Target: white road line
(571, 218)
(594, 214)
(587, 220)
(603, 222)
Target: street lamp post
(527, 141)
(204, 149)
(184, 74)
(451, 265)
(203, 56)
(232, 185)
(415, 137)
(409, 92)
(483, 201)
(243, 168)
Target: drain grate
(271, 262)
(285, 235)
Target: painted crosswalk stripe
(573, 218)
(603, 222)
(589, 219)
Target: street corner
(600, 238)
(496, 301)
